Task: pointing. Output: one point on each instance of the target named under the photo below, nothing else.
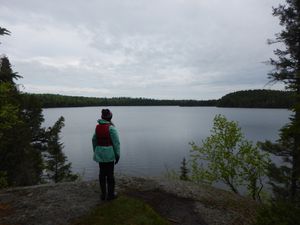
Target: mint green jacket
(107, 153)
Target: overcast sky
(164, 49)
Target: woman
(106, 146)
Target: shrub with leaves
(3, 179)
(279, 213)
(184, 170)
(228, 157)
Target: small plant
(279, 213)
(184, 170)
(3, 179)
(57, 168)
(171, 174)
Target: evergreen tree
(22, 139)
(20, 130)
(20, 160)
(4, 31)
(57, 169)
(6, 72)
(285, 179)
(8, 106)
(184, 170)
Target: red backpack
(103, 135)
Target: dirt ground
(60, 204)
(176, 210)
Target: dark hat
(106, 114)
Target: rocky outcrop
(214, 206)
(181, 202)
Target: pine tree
(57, 169)
(8, 105)
(22, 139)
(20, 130)
(184, 170)
(19, 157)
(4, 31)
(285, 179)
(6, 72)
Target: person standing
(106, 146)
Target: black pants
(106, 178)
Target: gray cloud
(172, 49)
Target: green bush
(227, 156)
(3, 180)
(279, 213)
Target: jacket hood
(102, 121)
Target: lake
(155, 138)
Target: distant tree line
(55, 100)
(258, 99)
(243, 99)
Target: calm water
(155, 138)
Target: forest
(258, 99)
(241, 99)
(55, 100)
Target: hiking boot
(109, 198)
(103, 197)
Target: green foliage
(9, 110)
(285, 178)
(228, 157)
(250, 98)
(258, 99)
(22, 139)
(123, 211)
(286, 66)
(184, 170)
(21, 161)
(254, 166)
(6, 72)
(279, 213)
(54, 100)
(4, 31)
(56, 167)
(3, 179)
(171, 174)
(281, 175)
(181, 175)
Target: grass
(123, 211)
